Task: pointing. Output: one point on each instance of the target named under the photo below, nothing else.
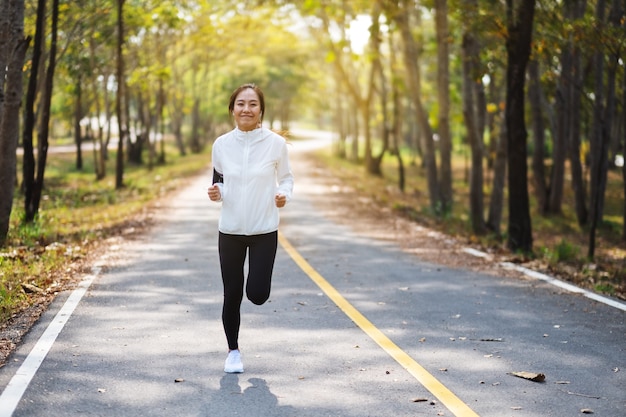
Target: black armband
(217, 177)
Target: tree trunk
(396, 126)
(603, 114)
(13, 48)
(624, 149)
(385, 129)
(559, 149)
(573, 141)
(411, 58)
(494, 97)
(99, 152)
(374, 163)
(194, 143)
(356, 134)
(474, 135)
(108, 116)
(496, 204)
(538, 128)
(443, 96)
(341, 122)
(120, 102)
(42, 137)
(160, 128)
(519, 23)
(624, 153)
(78, 116)
(597, 137)
(28, 165)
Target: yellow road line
(447, 398)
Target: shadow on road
(257, 396)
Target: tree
(603, 110)
(443, 96)
(539, 137)
(361, 94)
(473, 114)
(13, 48)
(28, 166)
(42, 137)
(520, 15)
(120, 98)
(414, 81)
(574, 94)
(624, 151)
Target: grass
(560, 245)
(76, 214)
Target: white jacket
(255, 167)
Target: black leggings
(232, 251)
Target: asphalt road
(364, 329)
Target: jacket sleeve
(284, 174)
(218, 177)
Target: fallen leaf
(32, 289)
(586, 411)
(531, 376)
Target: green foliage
(605, 288)
(564, 251)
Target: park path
(146, 339)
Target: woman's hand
(214, 193)
(280, 200)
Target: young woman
(252, 178)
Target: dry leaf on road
(531, 376)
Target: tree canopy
(432, 77)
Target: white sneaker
(233, 363)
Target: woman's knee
(258, 298)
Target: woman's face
(247, 110)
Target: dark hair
(255, 88)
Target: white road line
(14, 391)
(552, 281)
